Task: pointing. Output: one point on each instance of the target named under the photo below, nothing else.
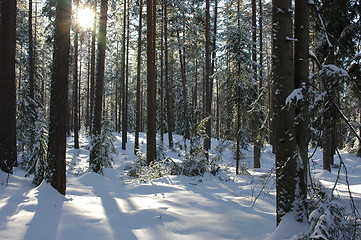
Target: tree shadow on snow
(45, 222)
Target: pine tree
(95, 163)
(208, 85)
(59, 97)
(138, 87)
(151, 83)
(8, 154)
(302, 15)
(283, 80)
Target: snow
(116, 206)
(332, 69)
(296, 94)
(288, 228)
(291, 39)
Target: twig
(353, 206)
(7, 180)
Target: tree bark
(59, 97)
(283, 77)
(123, 79)
(138, 91)
(213, 64)
(75, 83)
(8, 154)
(151, 83)
(302, 14)
(182, 61)
(208, 88)
(31, 53)
(92, 75)
(99, 87)
(255, 115)
(168, 86)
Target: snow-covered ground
(116, 206)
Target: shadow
(45, 222)
(16, 197)
(107, 190)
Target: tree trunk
(75, 83)
(208, 88)
(8, 154)
(99, 87)
(168, 86)
(161, 81)
(213, 64)
(123, 76)
(31, 53)
(301, 79)
(59, 98)
(182, 61)
(255, 115)
(283, 75)
(138, 95)
(87, 121)
(151, 83)
(238, 135)
(92, 75)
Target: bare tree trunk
(302, 14)
(256, 116)
(138, 91)
(182, 61)
(31, 53)
(213, 64)
(75, 83)
(99, 87)
(123, 76)
(238, 133)
(151, 83)
(87, 122)
(8, 154)
(208, 85)
(92, 75)
(161, 82)
(94, 163)
(283, 77)
(59, 98)
(168, 85)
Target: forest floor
(116, 206)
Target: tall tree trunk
(328, 141)
(168, 86)
(127, 77)
(151, 83)
(31, 53)
(59, 97)
(283, 77)
(161, 81)
(75, 82)
(92, 74)
(94, 162)
(87, 121)
(256, 116)
(8, 154)
(213, 64)
(301, 79)
(123, 76)
(138, 97)
(238, 133)
(208, 88)
(99, 87)
(182, 61)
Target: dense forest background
(253, 72)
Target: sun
(85, 17)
